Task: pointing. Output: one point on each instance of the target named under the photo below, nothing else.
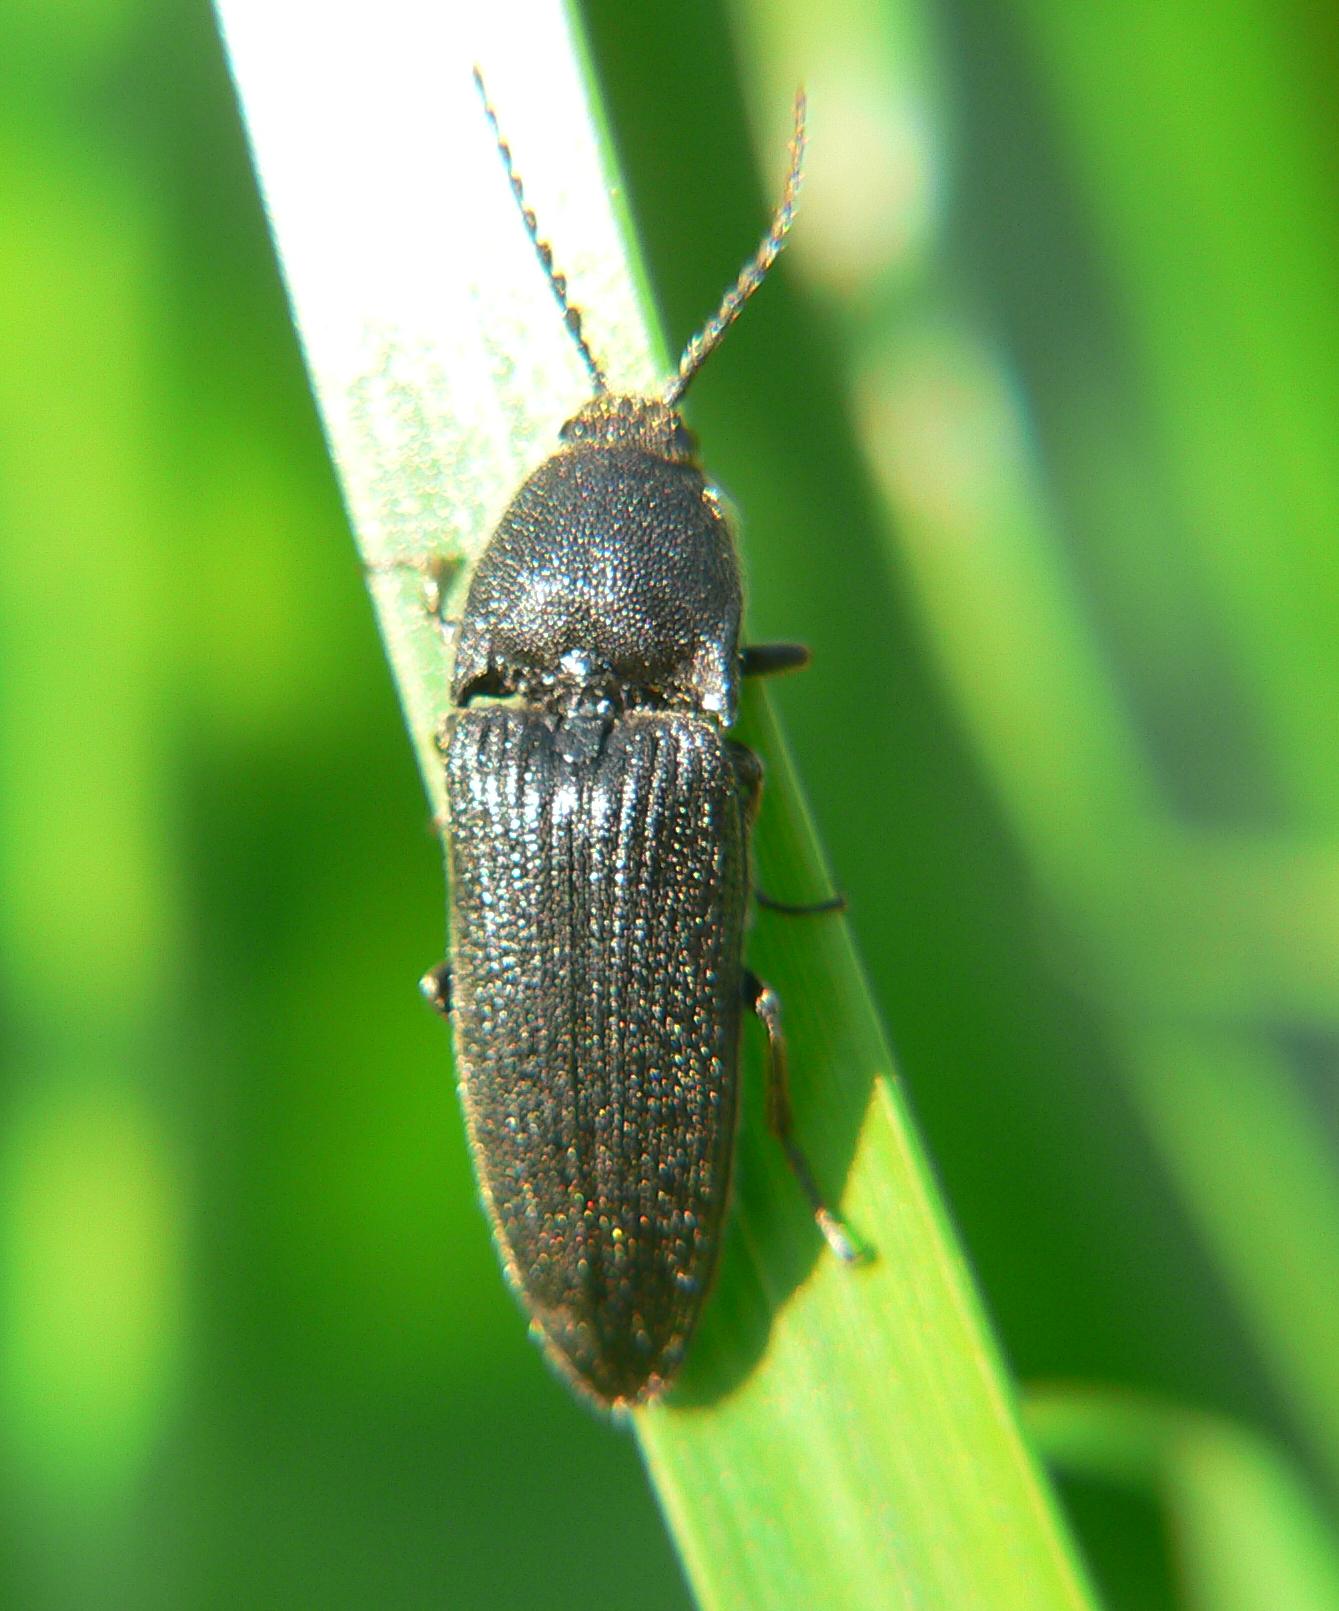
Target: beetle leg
(765, 1005)
(435, 986)
(834, 903)
(437, 572)
(748, 771)
(766, 659)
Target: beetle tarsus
(435, 986)
(437, 571)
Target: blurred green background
(1036, 444)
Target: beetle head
(612, 421)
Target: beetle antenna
(751, 276)
(544, 252)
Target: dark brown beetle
(597, 834)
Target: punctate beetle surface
(597, 844)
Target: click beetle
(597, 845)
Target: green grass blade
(840, 1437)
(1229, 1110)
(1246, 1531)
